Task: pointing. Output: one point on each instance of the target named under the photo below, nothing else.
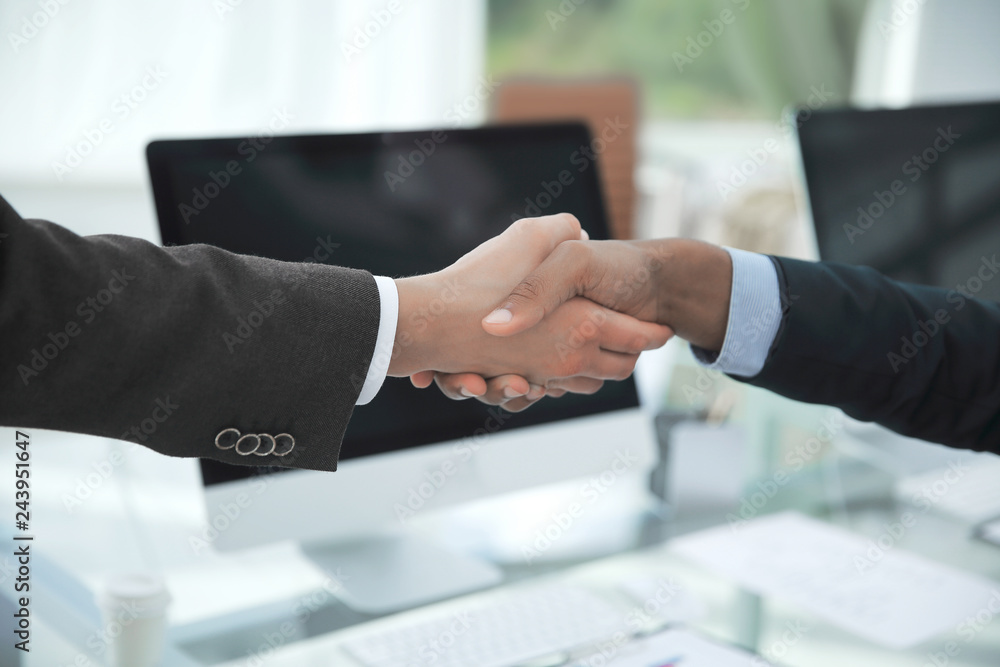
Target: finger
(538, 237)
(519, 404)
(495, 394)
(423, 379)
(609, 365)
(460, 386)
(555, 281)
(622, 333)
(554, 393)
(574, 385)
(503, 388)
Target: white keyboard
(513, 629)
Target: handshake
(541, 310)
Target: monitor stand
(380, 575)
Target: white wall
(218, 67)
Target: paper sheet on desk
(677, 648)
(886, 595)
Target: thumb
(556, 280)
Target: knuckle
(570, 219)
(525, 225)
(530, 288)
(577, 252)
(533, 229)
(639, 343)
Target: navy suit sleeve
(922, 361)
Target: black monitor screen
(914, 193)
(395, 204)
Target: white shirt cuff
(754, 317)
(379, 366)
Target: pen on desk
(576, 658)
(673, 662)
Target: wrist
(429, 329)
(693, 282)
(412, 349)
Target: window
(742, 59)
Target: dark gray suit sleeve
(168, 347)
(922, 361)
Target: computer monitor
(911, 192)
(396, 204)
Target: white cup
(134, 607)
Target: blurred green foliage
(753, 61)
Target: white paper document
(869, 587)
(674, 648)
